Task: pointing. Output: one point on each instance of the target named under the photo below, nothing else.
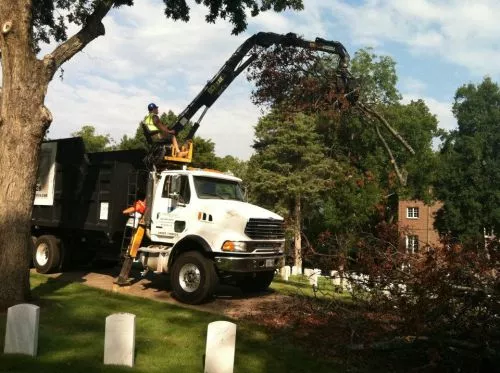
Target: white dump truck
(197, 226)
(200, 230)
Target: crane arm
(237, 63)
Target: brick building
(416, 222)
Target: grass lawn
(168, 338)
(299, 285)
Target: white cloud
(441, 109)
(460, 32)
(148, 58)
(410, 84)
(144, 57)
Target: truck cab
(201, 231)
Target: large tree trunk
(297, 232)
(23, 121)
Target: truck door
(169, 215)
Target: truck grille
(265, 229)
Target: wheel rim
(42, 254)
(189, 278)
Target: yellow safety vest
(150, 124)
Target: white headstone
(313, 279)
(336, 280)
(315, 276)
(285, 273)
(221, 344)
(119, 339)
(21, 334)
(347, 285)
(308, 272)
(296, 270)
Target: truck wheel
(47, 254)
(260, 282)
(193, 278)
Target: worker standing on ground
(159, 131)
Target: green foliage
(136, 142)
(234, 165)
(377, 76)
(469, 173)
(94, 142)
(51, 17)
(361, 189)
(204, 153)
(419, 126)
(289, 161)
(353, 142)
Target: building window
(412, 212)
(411, 244)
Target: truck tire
(47, 254)
(193, 278)
(260, 282)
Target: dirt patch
(229, 300)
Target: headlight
(234, 246)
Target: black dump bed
(86, 191)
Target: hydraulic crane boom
(235, 65)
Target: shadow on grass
(168, 338)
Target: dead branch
(387, 125)
(369, 113)
(401, 178)
(92, 29)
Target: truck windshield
(214, 188)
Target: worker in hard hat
(158, 131)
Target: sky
(144, 57)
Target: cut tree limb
(387, 125)
(401, 178)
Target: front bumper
(252, 263)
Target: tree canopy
(94, 142)
(363, 160)
(51, 17)
(469, 173)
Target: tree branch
(393, 161)
(92, 29)
(385, 123)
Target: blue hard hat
(152, 106)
